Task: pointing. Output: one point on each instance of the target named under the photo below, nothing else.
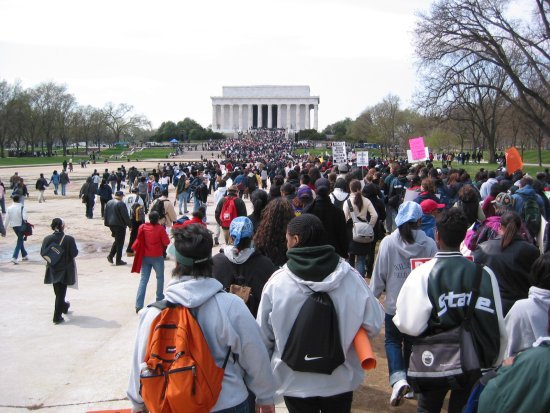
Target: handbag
(447, 359)
(242, 291)
(362, 231)
(54, 252)
(239, 287)
(26, 226)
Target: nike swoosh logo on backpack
(307, 358)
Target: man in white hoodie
(485, 189)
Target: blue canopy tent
(174, 140)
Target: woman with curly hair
(270, 237)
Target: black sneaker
(67, 306)
(121, 263)
(110, 259)
(216, 242)
(59, 320)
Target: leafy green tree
(339, 130)
(309, 135)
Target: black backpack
(531, 215)
(397, 192)
(313, 344)
(339, 204)
(159, 207)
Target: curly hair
(270, 237)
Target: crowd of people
(480, 238)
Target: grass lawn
(110, 154)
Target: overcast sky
(167, 58)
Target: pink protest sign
(417, 148)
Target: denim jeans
(56, 187)
(3, 205)
(183, 198)
(398, 351)
(20, 244)
(360, 264)
(240, 408)
(63, 189)
(156, 263)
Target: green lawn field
(107, 154)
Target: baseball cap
(322, 182)
(429, 205)
(119, 193)
(409, 211)
(304, 192)
(503, 200)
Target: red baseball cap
(429, 205)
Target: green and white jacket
(436, 295)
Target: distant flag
(513, 160)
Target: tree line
(483, 82)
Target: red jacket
(193, 220)
(150, 242)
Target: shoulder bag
(362, 231)
(54, 252)
(447, 359)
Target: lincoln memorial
(251, 107)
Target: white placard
(363, 158)
(411, 160)
(339, 153)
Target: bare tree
(121, 120)
(460, 36)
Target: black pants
(119, 234)
(103, 203)
(340, 403)
(60, 291)
(133, 235)
(431, 401)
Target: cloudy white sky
(167, 57)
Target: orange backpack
(181, 375)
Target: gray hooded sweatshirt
(527, 320)
(225, 322)
(393, 264)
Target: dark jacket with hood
(334, 222)
(511, 267)
(246, 267)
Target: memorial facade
(251, 107)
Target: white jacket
(15, 215)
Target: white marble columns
(288, 115)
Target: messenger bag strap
(351, 210)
